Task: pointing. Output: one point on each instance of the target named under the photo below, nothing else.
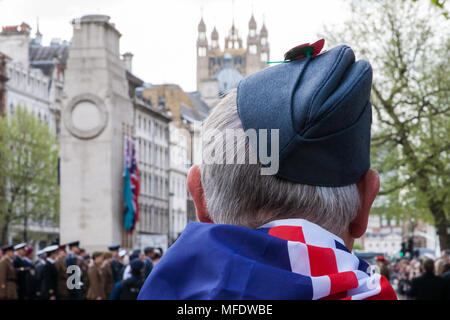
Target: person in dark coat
(72, 259)
(117, 265)
(446, 277)
(30, 276)
(39, 267)
(129, 289)
(149, 253)
(19, 265)
(427, 286)
(49, 284)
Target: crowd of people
(119, 275)
(418, 278)
(45, 275)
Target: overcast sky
(162, 34)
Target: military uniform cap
(51, 249)
(122, 253)
(20, 246)
(320, 104)
(114, 247)
(8, 247)
(74, 244)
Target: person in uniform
(149, 253)
(135, 254)
(96, 289)
(84, 261)
(158, 255)
(39, 266)
(129, 289)
(49, 283)
(30, 276)
(72, 260)
(116, 265)
(108, 274)
(8, 277)
(60, 265)
(19, 265)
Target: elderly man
(282, 227)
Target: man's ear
(368, 188)
(195, 188)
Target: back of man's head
(238, 194)
(292, 141)
(428, 266)
(148, 251)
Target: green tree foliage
(408, 46)
(29, 155)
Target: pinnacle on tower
(201, 26)
(214, 34)
(263, 31)
(252, 23)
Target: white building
(152, 140)
(383, 236)
(387, 242)
(179, 163)
(35, 72)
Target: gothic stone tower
(96, 110)
(211, 59)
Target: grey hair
(238, 194)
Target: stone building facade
(188, 110)
(221, 69)
(35, 77)
(35, 72)
(179, 166)
(104, 104)
(151, 124)
(97, 111)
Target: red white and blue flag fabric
(284, 259)
(131, 185)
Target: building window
(264, 56)
(253, 49)
(201, 51)
(252, 32)
(263, 41)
